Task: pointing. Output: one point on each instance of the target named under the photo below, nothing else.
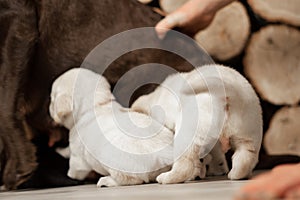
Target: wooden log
(169, 6)
(145, 1)
(272, 63)
(228, 33)
(283, 135)
(286, 11)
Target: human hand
(193, 16)
(283, 182)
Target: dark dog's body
(39, 40)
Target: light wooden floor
(199, 190)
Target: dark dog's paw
(9, 176)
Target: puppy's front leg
(78, 169)
(78, 174)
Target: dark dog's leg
(17, 41)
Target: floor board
(212, 189)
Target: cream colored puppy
(209, 103)
(216, 163)
(126, 147)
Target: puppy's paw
(107, 181)
(77, 174)
(235, 175)
(165, 178)
(160, 179)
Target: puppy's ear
(63, 106)
(103, 93)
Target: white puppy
(209, 103)
(216, 163)
(125, 146)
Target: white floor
(200, 190)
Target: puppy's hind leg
(182, 169)
(244, 160)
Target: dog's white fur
(243, 117)
(76, 113)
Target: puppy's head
(61, 105)
(76, 88)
